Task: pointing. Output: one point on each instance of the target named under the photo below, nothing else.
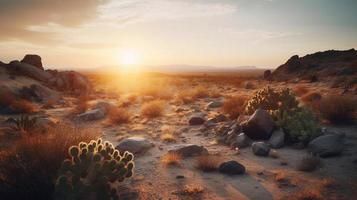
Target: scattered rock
(34, 60)
(259, 126)
(231, 167)
(327, 145)
(277, 139)
(260, 149)
(214, 104)
(91, 115)
(242, 141)
(189, 150)
(135, 145)
(196, 119)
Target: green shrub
(91, 169)
(300, 125)
(271, 100)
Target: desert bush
(207, 163)
(300, 125)
(81, 106)
(307, 194)
(338, 109)
(271, 100)
(200, 92)
(185, 97)
(309, 163)
(118, 116)
(171, 159)
(23, 124)
(234, 106)
(91, 170)
(29, 168)
(311, 97)
(168, 137)
(153, 109)
(300, 90)
(24, 106)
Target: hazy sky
(92, 33)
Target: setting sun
(128, 58)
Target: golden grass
(168, 137)
(118, 116)
(191, 190)
(338, 108)
(200, 92)
(207, 163)
(234, 106)
(153, 109)
(300, 90)
(24, 106)
(171, 159)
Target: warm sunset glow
(128, 58)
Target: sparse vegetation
(82, 105)
(191, 190)
(24, 124)
(91, 169)
(207, 163)
(118, 116)
(29, 168)
(300, 90)
(234, 106)
(307, 194)
(171, 159)
(24, 106)
(338, 109)
(311, 97)
(309, 163)
(153, 109)
(200, 92)
(168, 137)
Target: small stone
(180, 176)
(232, 168)
(260, 149)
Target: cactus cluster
(91, 170)
(271, 100)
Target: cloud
(257, 36)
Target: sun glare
(128, 58)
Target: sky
(100, 33)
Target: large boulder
(30, 71)
(34, 60)
(135, 145)
(260, 149)
(71, 81)
(196, 119)
(259, 126)
(277, 139)
(91, 115)
(242, 141)
(105, 106)
(232, 168)
(189, 150)
(39, 93)
(327, 145)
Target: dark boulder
(232, 168)
(34, 60)
(260, 149)
(31, 71)
(189, 150)
(327, 145)
(196, 119)
(259, 126)
(277, 139)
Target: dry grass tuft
(300, 90)
(168, 137)
(118, 116)
(307, 194)
(171, 159)
(153, 109)
(207, 163)
(200, 92)
(191, 190)
(309, 163)
(234, 106)
(338, 109)
(31, 166)
(185, 97)
(24, 106)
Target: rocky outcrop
(189, 150)
(91, 115)
(135, 145)
(259, 126)
(25, 69)
(71, 81)
(327, 145)
(34, 60)
(318, 66)
(39, 93)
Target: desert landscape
(94, 104)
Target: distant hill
(319, 66)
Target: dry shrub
(171, 159)
(215, 94)
(118, 116)
(24, 106)
(153, 109)
(207, 163)
(234, 106)
(309, 163)
(82, 105)
(307, 194)
(185, 97)
(191, 190)
(200, 92)
(338, 109)
(300, 90)
(158, 92)
(49, 104)
(168, 137)
(28, 169)
(311, 97)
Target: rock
(135, 145)
(34, 60)
(259, 126)
(267, 75)
(231, 167)
(189, 150)
(217, 119)
(71, 81)
(91, 115)
(248, 85)
(105, 106)
(277, 139)
(39, 93)
(30, 71)
(196, 119)
(214, 104)
(260, 149)
(327, 145)
(242, 141)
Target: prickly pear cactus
(91, 170)
(271, 100)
